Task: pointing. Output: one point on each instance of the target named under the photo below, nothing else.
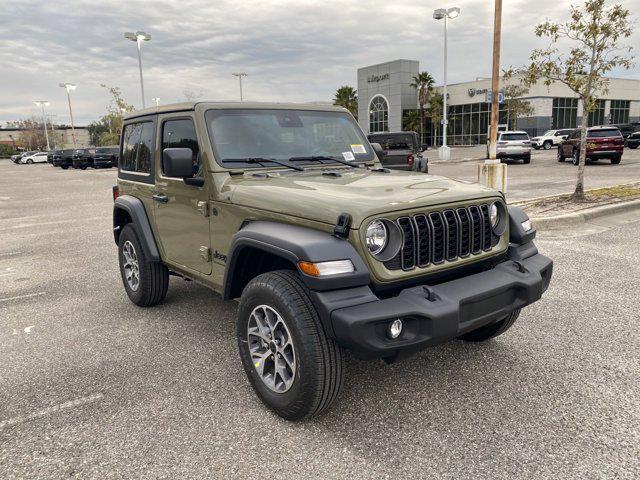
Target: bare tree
(595, 32)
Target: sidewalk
(459, 154)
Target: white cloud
(293, 50)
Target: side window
(137, 147)
(182, 134)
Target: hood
(315, 195)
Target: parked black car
(106, 157)
(63, 158)
(83, 158)
(402, 150)
(626, 129)
(633, 140)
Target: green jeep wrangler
(287, 209)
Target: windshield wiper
(261, 160)
(319, 158)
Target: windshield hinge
(205, 254)
(343, 224)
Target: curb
(570, 219)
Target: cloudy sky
(293, 50)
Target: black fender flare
(295, 244)
(135, 208)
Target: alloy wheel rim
(131, 267)
(271, 348)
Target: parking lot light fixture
(240, 75)
(157, 100)
(139, 37)
(445, 14)
(69, 87)
(42, 104)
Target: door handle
(161, 198)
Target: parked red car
(602, 142)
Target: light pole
(139, 37)
(445, 14)
(240, 75)
(157, 100)
(69, 87)
(42, 104)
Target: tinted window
(394, 142)
(514, 136)
(111, 150)
(137, 147)
(605, 132)
(182, 134)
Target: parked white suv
(513, 145)
(550, 138)
(36, 157)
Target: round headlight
(493, 215)
(376, 237)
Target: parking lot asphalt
(92, 386)
(544, 175)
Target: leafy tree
(347, 97)
(515, 105)
(595, 33)
(32, 136)
(106, 130)
(6, 150)
(423, 82)
(411, 121)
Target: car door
(182, 211)
(40, 157)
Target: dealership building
(385, 94)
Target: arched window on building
(378, 115)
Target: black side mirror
(177, 162)
(424, 147)
(380, 153)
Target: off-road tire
(319, 359)
(616, 160)
(492, 330)
(560, 155)
(154, 276)
(547, 145)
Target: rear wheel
(493, 330)
(527, 159)
(576, 157)
(560, 155)
(145, 282)
(292, 364)
(616, 160)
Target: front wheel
(30, 162)
(290, 361)
(547, 145)
(145, 282)
(492, 330)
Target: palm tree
(411, 120)
(423, 82)
(347, 97)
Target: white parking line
(9, 254)
(7, 271)
(18, 297)
(10, 422)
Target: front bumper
(436, 314)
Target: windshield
(548, 133)
(604, 132)
(238, 135)
(394, 142)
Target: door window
(137, 147)
(182, 134)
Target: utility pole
(491, 172)
(240, 75)
(42, 104)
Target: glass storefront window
(596, 117)
(378, 115)
(564, 113)
(619, 111)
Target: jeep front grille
(432, 238)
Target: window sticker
(358, 148)
(348, 156)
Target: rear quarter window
(137, 147)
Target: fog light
(395, 328)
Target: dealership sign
(377, 78)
